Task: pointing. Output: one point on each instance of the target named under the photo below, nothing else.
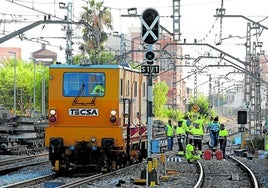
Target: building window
(121, 87)
(143, 89)
(135, 89)
(128, 85)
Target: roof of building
(44, 53)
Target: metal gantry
(210, 91)
(253, 80)
(176, 20)
(174, 84)
(248, 77)
(69, 34)
(252, 88)
(257, 85)
(195, 86)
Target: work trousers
(198, 144)
(223, 143)
(214, 136)
(170, 143)
(181, 141)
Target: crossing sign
(150, 26)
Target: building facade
(9, 52)
(131, 48)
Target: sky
(197, 18)
(198, 22)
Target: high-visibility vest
(184, 125)
(169, 130)
(189, 150)
(98, 89)
(197, 131)
(223, 133)
(200, 122)
(180, 130)
(215, 126)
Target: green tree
(24, 85)
(160, 98)
(98, 19)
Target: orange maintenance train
(97, 116)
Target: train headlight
(52, 112)
(93, 139)
(113, 116)
(52, 116)
(113, 112)
(52, 119)
(112, 119)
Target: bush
(257, 143)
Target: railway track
(19, 159)
(11, 165)
(30, 182)
(21, 171)
(213, 173)
(126, 176)
(183, 174)
(180, 173)
(225, 173)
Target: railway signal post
(149, 35)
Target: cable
(209, 32)
(19, 15)
(205, 3)
(33, 9)
(31, 2)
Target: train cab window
(83, 84)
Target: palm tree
(98, 18)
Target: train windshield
(83, 84)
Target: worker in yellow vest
(170, 134)
(191, 155)
(223, 133)
(200, 121)
(180, 133)
(198, 133)
(186, 122)
(98, 90)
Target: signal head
(149, 56)
(149, 15)
(150, 26)
(242, 117)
